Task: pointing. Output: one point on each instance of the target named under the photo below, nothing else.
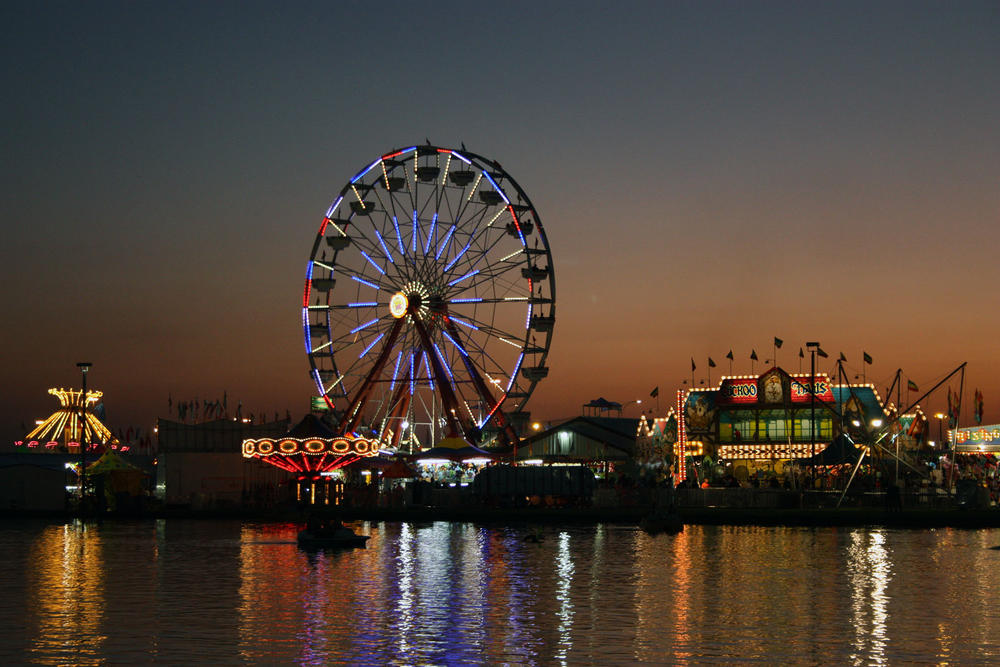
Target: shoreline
(823, 517)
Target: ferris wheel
(429, 299)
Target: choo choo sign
(740, 391)
(800, 389)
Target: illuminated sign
(740, 391)
(398, 304)
(801, 393)
(978, 436)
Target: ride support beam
(352, 414)
(507, 431)
(455, 427)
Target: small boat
(332, 538)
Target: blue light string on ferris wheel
(372, 262)
(513, 375)
(430, 234)
(444, 362)
(496, 187)
(461, 278)
(385, 248)
(305, 329)
(365, 171)
(333, 207)
(395, 371)
(430, 376)
(413, 239)
(319, 383)
(444, 244)
(461, 157)
(469, 325)
(363, 326)
(466, 300)
(371, 345)
(413, 376)
(362, 304)
(365, 282)
(458, 256)
(399, 237)
(453, 342)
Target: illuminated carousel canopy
(310, 447)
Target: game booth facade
(764, 422)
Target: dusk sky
(710, 175)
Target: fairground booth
(764, 422)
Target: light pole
(940, 417)
(637, 401)
(813, 346)
(84, 366)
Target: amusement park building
(589, 440)
(203, 464)
(773, 417)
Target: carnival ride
(74, 422)
(429, 300)
(427, 313)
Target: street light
(813, 346)
(84, 366)
(637, 401)
(940, 417)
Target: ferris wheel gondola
(429, 298)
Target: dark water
(217, 592)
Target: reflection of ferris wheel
(429, 297)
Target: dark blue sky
(710, 175)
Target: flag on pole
(802, 354)
(952, 410)
(918, 427)
(821, 353)
(753, 354)
(778, 342)
(978, 400)
(711, 364)
(842, 357)
(868, 358)
(655, 392)
(692, 365)
(912, 386)
(730, 355)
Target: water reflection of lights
(870, 572)
(404, 579)
(67, 587)
(565, 569)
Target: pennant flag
(912, 386)
(652, 394)
(842, 357)
(801, 354)
(753, 354)
(821, 353)
(778, 342)
(692, 364)
(730, 355)
(978, 400)
(868, 358)
(711, 364)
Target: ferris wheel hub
(398, 305)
